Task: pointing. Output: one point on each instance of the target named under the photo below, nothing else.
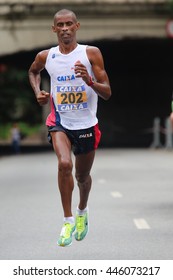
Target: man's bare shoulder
(94, 54)
(42, 56)
(92, 49)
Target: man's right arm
(35, 78)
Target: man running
(77, 78)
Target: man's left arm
(101, 84)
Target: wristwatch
(91, 82)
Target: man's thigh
(61, 144)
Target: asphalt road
(131, 207)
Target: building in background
(25, 25)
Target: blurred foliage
(25, 129)
(5, 131)
(170, 6)
(17, 100)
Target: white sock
(81, 212)
(69, 220)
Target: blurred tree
(17, 101)
(170, 7)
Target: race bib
(70, 98)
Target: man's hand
(81, 72)
(43, 97)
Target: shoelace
(80, 223)
(66, 230)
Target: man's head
(65, 26)
(65, 12)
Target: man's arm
(101, 85)
(35, 78)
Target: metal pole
(168, 134)
(156, 133)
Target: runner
(78, 77)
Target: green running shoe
(65, 238)
(81, 226)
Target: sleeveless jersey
(73, 102)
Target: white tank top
(74, 104)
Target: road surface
(131, 207)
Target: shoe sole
(60, 245)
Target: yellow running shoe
(81, 224)
(65, 238)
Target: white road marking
(141, 224)
(102, 181)
(116, 194)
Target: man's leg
(83, 167)
(62, 147)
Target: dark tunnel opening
(140, 72)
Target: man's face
(65, 26)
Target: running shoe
(65, 238)
(81, 226)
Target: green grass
(25, 129)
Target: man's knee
(65, 166)
(83, 178)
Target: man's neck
(67, 48)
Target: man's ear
(53, 28)
(77, 25)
